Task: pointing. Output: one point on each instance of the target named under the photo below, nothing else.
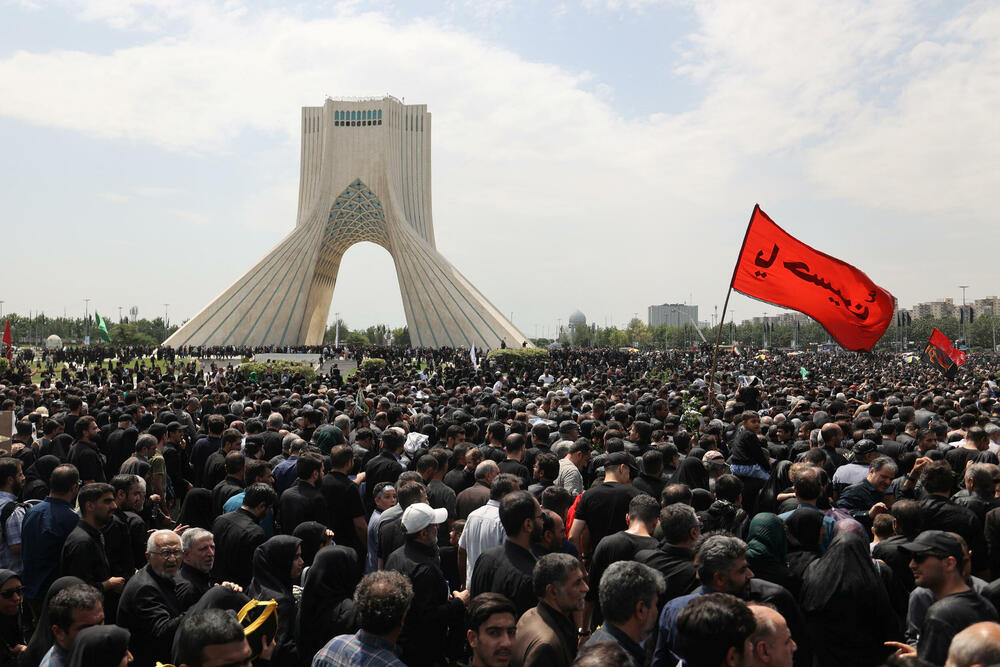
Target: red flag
(8, 341)
(943, 343)
(777, 268)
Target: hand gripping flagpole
(718, 334)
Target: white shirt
(483, 531)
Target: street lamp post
(964, 314)
(86, 316)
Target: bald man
(976, 646)
(772, 641)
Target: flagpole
(725, 305)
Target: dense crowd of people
(588, 507)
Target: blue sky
(602, 155)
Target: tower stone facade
(365, 176)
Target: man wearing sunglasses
(937, 561)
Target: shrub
(278, 368)
(518, 353)
(373, 364)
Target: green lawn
(36, 375)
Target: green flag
(804, 372)
(102, 327)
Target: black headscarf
(313, 536)
(60, 447)
(847, 606)
(99, 646)
(272, 580)
(42, 639)
(327, 608)
(804, 527)
(845, 572)
(14, 629)
(272, 567)
(691, 471)
(701, 499)
(197, 509)
(36, 478)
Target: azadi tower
(365, 176)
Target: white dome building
(578, 319)
(53, 342)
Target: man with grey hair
(547, 635)
(629, 594)
(722, 568)
(196, 569)
(381, 601)
(573, 457)
(980, 486)
(478, 494)
(993, 433)
(975, 646)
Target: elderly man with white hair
(149, 607)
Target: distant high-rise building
(937, 309)
(672, 314)
(988, 306)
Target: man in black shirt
(237, 535)
(215, 465)
(440, 494)
(514, 444)
(674, 556)
(83, 553)
(602, 508)
(940, 513)
(385, 467)
(643, 515)
(151, 609)
(546, 471)
(507, 569)
(434, 608)
(462, 475)
(232, 484)
(119, 444)
(651, 481)
(125, 536)
(303, 501)
(84, 453)
(346, 512)
(937, 559)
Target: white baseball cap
(418, 516)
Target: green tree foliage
(35, 328)
(129, 334)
